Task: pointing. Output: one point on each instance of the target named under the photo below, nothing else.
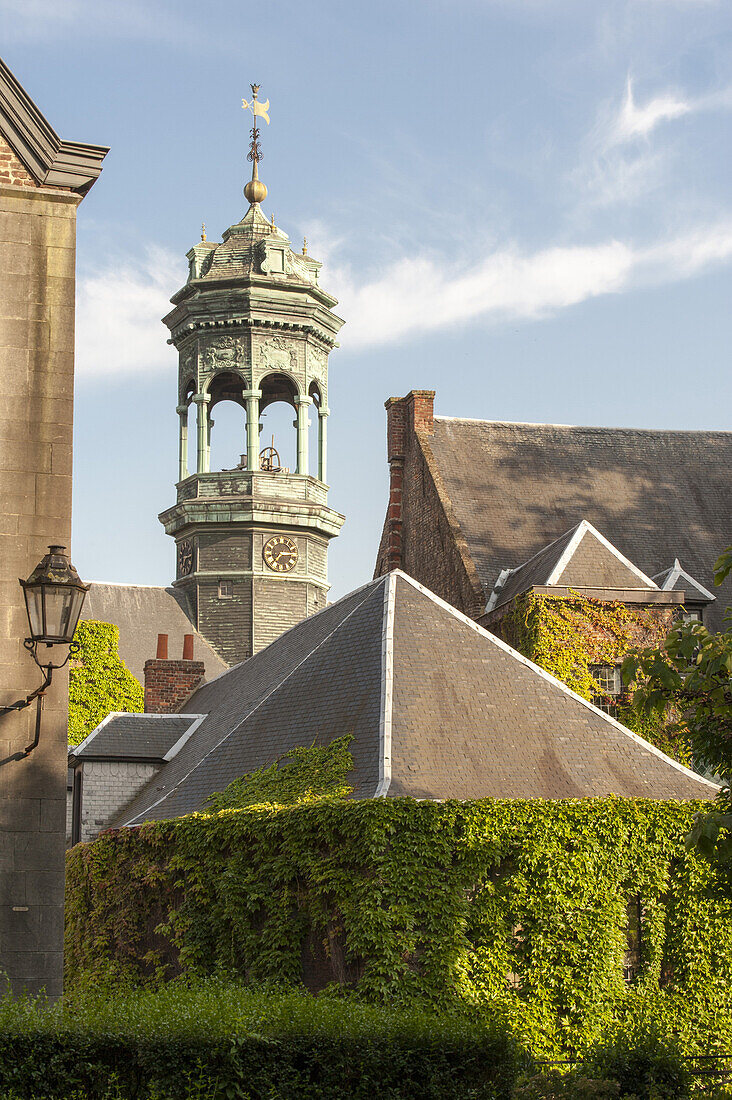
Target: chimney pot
(187, 647)
(162, 653)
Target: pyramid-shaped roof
(484, 723)
(580, 558)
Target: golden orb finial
(203, 231)
(304, 246)
(255, 191)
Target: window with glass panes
(610, 685)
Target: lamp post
(54, 596)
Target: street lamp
(54, 596)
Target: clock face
(280, 554)
(185, 557)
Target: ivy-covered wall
(566, 635)
(518, 908)
(99, 680)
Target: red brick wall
(11, 169)
(169, 683)
(421, 535)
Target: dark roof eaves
(51, 161)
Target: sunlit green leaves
(99, 680)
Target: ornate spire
(255, 191)
(203, 231)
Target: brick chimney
(169, 683)
(404, 417)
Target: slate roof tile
(656, 495)
(142, 612)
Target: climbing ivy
(301, 775)
(567, 635)
(515, 909)
(99, 680)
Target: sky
(525, 205)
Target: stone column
(302, 404)
(252, 399)
(323, 444)
(202, 400)
(182, 411)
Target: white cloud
(118, 312)
(119, 332)
(418, 296)
(635, 121)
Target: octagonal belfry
(252, 326)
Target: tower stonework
(251, 326)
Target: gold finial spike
(203, 231)
(255, 191)
(304, 246)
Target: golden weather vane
(255, 190)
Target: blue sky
(525, 205)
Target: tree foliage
(691, 672)
(99, 680)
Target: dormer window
(693, 616)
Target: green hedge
(218, 1040)
(516, 909)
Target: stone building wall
(37, 259)
(106, 788)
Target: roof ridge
(133, 584)
(553, 680)
(587, 427)
(372, 585)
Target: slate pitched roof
(123, 736)
(656, 495)
(580, 558)
(142, 612)
(485, 723)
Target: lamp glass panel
(78, 595)
(33, 604)
(58, 609)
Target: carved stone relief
(188, 364)
(278, 354)
(317, 362)
(226, 352)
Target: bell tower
(252, 326)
